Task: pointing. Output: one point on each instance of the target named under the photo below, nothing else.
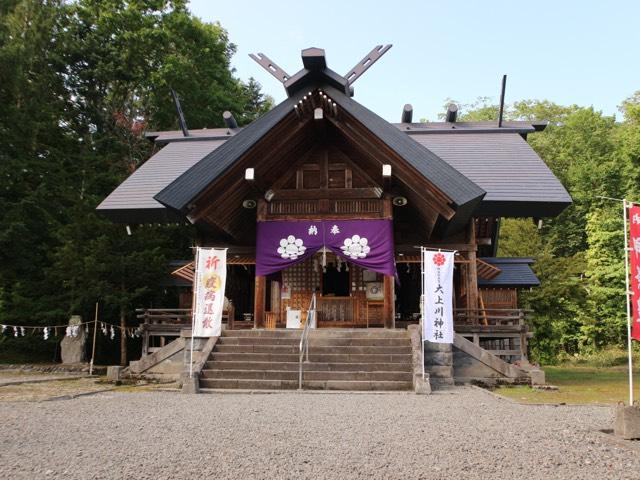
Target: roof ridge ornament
(372, 57)
(266, 63)
(315, 68)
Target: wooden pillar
(388, 308)
(389, 285)
(472, 273)
(259, 301)
(231, 313)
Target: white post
(193, 307)
(422, 280)
(628, 299)
(93, 350)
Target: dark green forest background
(79, 84)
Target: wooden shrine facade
(320, 155)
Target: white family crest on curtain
(437, 298)
(292, 247)
(210, 279)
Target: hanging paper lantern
(15, 331)
(113, 333)
(22, 331)
(46, 333)
(103, 328)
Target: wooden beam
(259, 301)
(388, 308)
(255, 156)
(472, 268)
(331, 193)
(412, 179)
(428, 216)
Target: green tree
(87, 79)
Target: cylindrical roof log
(229, 119)
(407, 113)
(452, 113)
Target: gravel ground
(465, 433)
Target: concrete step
(321, 333)
(361, 367)
(252, 384)
(252, 340)
(313, 349)
(339, 359)
(262, 333)
(307, 375)
(321, 358)
(356, 385)
(256, 384)
(316, 341)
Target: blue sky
(565, 51)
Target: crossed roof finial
(315, 63)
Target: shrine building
(322, 196)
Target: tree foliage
(87, 78)
(580, 305)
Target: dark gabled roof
(515, 273)
(517, 181)
(181, 192)
(459, 188)
(133, 202)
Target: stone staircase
(340, 359)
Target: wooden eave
(212, 191)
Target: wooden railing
(490, 316)
(369, 207)
(502, 332)
(166, 323)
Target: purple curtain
(366, 243)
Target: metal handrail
(304, 339)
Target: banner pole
(193, 309)
(422, 307)
(93, 350)
(628, 298)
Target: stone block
(439, 358)
(627, 422)
(537, 377)
(114, 374)
(72, 347)
(191, 385)
(421, 386)
(440, 371)
(437, 347)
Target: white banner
(210, 278)
(437, 296)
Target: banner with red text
(634, 257)
(437, 296)
(210, 279)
